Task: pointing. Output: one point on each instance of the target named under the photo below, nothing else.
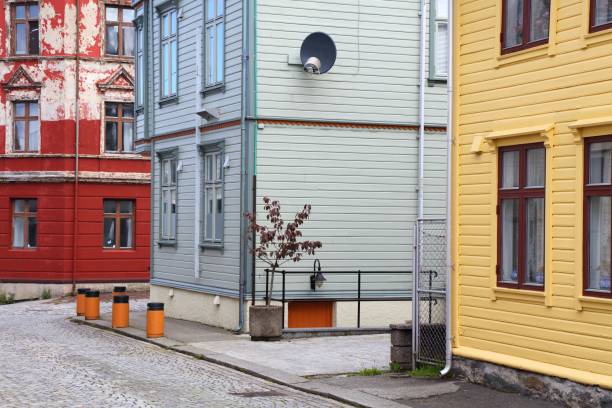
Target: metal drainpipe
(449, 168)
(244, 191)
(76, 149)
(421, 160)
(198, 108)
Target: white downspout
(198, 107)
(449, 212)
(421, 159)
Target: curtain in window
(600, 209)
(18, 232)
(510, 237)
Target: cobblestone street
(47, 361)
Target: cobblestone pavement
(47, 361)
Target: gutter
(449, 196)
(421, 159)
(75, 228)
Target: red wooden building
(74, 196)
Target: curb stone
(356, 398)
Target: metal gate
(429, 289)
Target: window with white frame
(168, 198)
(169, 57)
(438, 59)
(213, 196)
(215, 42)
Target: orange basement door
(305, 314)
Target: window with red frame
(520, 211)
(525, 23)
(24, 223)
(597, 216)
(601, 15)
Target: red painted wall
(52, 260)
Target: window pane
(173, 171)
(603, 12)
(19, 135)
(219, 52)
(441, 51)
(110, 206)
(442, 9)
(165, 25)
(128, 110)
(33, 135)
(112, 14)
(509, 240)
(110, 137)
(32, 232)
(218, 167)
(600, 159)
(20, 38)
(110, 109)
(209, 213)
(140, 90)
(536, 164)
(173, 22)
(599, 243)
(112, 40)
(165, 213)
(540, 17)
(513, 25)
(128, 15)
(173, 210)
(20, 109)
(128, 137)
(210, 10)
(210, 78)
(19, 206)
(166, 69)
(125, 233)
(20, 12)
(510, 169)
(33, 11)
(109, 233)
(33, 38)
(33, 108)
(173, 63)
(165, 172)
(18, 232)
(534, 263)
(219, 213)
(32, 205)
(220, 7)
(128, 41)
(125, 207)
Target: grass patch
(395, 368)
(369, 372)
(7, 298)
(426, 371)
(46, 294)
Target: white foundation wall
(24, 291)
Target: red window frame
(522, 193)
(592, 27)
(526, 30)
(26, 215)
(600, 190)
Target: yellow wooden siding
(559, 332)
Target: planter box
(265, 322)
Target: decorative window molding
(168, 213)
(121, 80)
(588, 127)
(213, 208)
(21, 80)
(488, 142)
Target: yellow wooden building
(532, 179)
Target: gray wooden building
(229, 115)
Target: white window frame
(438, 18)
(215, 47)
(213, 188)
(167, 40)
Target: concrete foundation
(527, 383)
(26, 291)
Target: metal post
(283, 321)
(358, 299)
(267, 283)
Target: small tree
(280, 243)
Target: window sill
(139, 110)
(166, 243)
(211, 245)
(118, 58)
(596, 37)
(594, 303)
(518, 295)
(14, 57)
(219, 88)
(171, 100)
(431, 82)
(538, 51)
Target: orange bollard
(92, 305)
(155, 320)
(121, 311)
(119, 291)
(80, 301)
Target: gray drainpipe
(449, 144)
(198, 107)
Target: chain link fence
(429, 314)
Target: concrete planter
(265, 322)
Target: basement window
(120, 39)
(24, 27)
(525, 24)
(601, 15)
(118, 224)
(25, 222)
(119, 127)
(26, 127)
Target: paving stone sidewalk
(320, 366)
